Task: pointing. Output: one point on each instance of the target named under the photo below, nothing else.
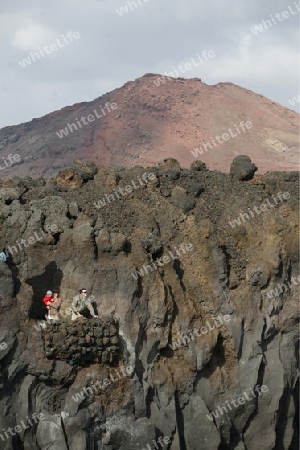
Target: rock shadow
(14, 273)
(50, 279)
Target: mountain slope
(150, 123)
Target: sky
(107, 47)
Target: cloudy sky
(155, 36)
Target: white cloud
(154, 37)
(10, 21)
(33, 36)
(246, 39)
(264, 63)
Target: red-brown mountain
(150, 123)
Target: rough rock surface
(82, 342)
(242, 168)
(173, 388)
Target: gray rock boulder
(242, 168)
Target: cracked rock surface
(179, 376)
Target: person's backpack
(3, 257)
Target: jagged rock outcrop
(168, 253)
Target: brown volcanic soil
(152, 123)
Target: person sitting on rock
(47, 300)
(55, 305)
(81, 306)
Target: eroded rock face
(187, 360)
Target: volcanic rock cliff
(152, 118)
(187, 299)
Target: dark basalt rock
(96, 341)
(242, 168)
(231, 270)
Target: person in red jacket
(47, 300)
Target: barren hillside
(148, 123)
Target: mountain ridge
(152, 123)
